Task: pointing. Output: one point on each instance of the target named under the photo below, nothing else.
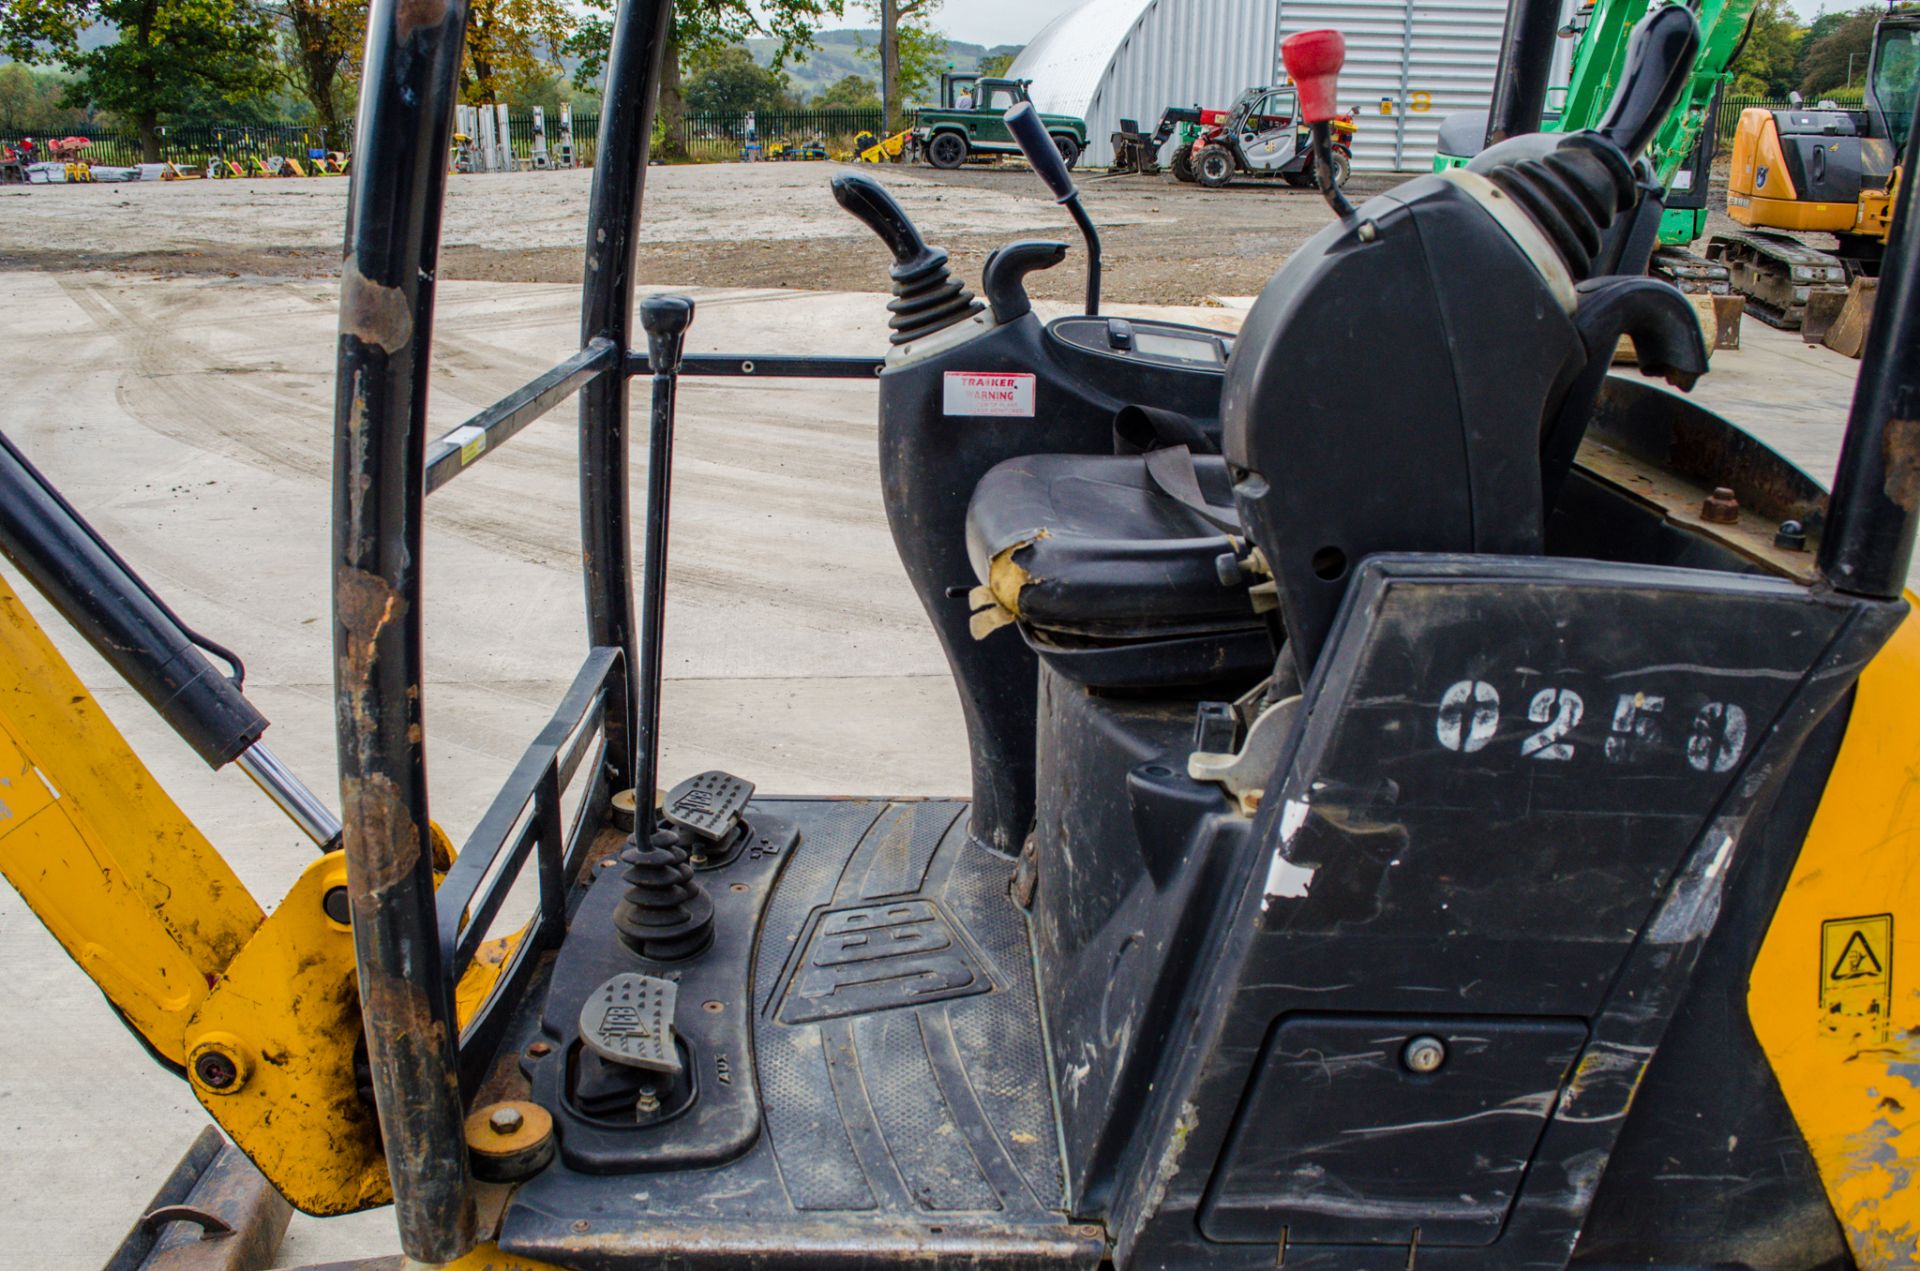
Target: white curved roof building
(1409, 63)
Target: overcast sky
(1017, 21)
(999, 21)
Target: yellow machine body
(155, 916)
(1833, 996)
(1760, 190)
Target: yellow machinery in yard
(1456, 819)
(1820, 170)
(869, 148)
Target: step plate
(905, 1112)
(870, 958)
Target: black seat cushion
(1091, 545)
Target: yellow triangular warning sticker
(1857, 960)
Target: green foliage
(1831, 45)
(1767, 65)
(923, 56)
(996, 65)
(171, 58)
(320, 48)
(587, 44)
(699, 26)
(728, 81)
(849, 92)
(30, 102)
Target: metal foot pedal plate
(629, 1020)
(709, 804)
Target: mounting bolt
(509, 1141)
(1791, 535)
(1720, 507)
(539, 1050)
(649, 1100)
(218, 1063)
(1424, 1054)
(334, 904)
(623, 809)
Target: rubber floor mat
(900, 1068)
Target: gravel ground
(721, 225)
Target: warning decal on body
(1856, 974)
(989, 393)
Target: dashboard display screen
(1184, 348)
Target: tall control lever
(926, 297)
(1576, 185)
(1023, 121)
(1313, 60)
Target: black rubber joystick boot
(666, 914)
(1575, 185)
(926, 297)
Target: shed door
(1409, 65)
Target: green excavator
(1681, 154)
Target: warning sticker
(1856, 973)
(989, 393)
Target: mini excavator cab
(1406, 820)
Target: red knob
(1313, 60)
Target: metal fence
(1730, 108)
(722, 137)
(710, 137)
(189, 145)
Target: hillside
(856, 52)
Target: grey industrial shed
(1409, 63)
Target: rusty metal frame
(381, 476)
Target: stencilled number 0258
(1469, 718)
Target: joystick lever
(1659, 59)
(1024, 122)
(926, 297)
(1313, 60)
(1576, 185)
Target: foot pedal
(629, 1021)
(709, 804)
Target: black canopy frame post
(380, 409)
(606, 313)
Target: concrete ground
(189, 417)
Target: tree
(30, 102)
(996, 65)
(911, 51)
(849, 92)
(511, 40)
(698, 26)
(727, 81)
(170, 54)
(1765, 67)
(1836, 56)
(321, 42)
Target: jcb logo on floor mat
(1856, 975)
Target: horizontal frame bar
(766, 367)
(454, 453)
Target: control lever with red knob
(1313, 60)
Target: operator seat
(1501, 341)
(1124, 570)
